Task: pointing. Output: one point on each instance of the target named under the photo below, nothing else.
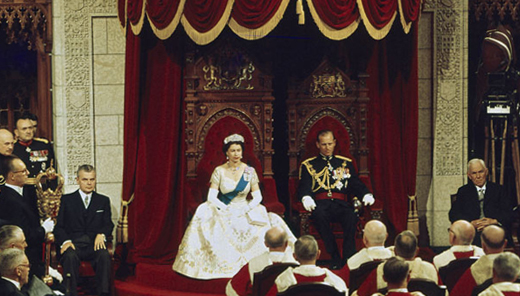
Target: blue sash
(228, 197)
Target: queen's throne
(227, 94)
(328, 99)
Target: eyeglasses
(28, 265)
(449, 230)
(24, 171)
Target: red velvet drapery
(203, 20)
(154, 169)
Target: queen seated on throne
(227, 231)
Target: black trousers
(339, 211)
(100, 260)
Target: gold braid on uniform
(322, 178)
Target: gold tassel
(300, 12)
(122, 223)
(413, 217)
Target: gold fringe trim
(205, 38)
(122, 223)
(139, 26)
(413, 217)
(406, 26)
(165, 33)
(375, 33)
(123, 24)
(327, 30)
(255, 34)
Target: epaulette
(343, 157)
(308, 159)
(42, 140)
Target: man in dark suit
(14, 268)
(481, 202)
(17, 207)
(83, 224)
(325, 182)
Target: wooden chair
(312, 289)
(264, 280)
(225, 94)
(451, 273)
(327, 99)
(427, 287)
(360, 274)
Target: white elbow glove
(257, 199)
(48, 225)
(213, 199)
(308, 203)
(368, 199)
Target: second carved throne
(225, 94)
(327, 99)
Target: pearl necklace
(232, 168)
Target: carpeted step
(133, 288)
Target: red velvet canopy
(204, 20)
(154, 161)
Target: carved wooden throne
(327, 99)
(226, 94)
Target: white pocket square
(100, 211)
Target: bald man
(6, 142)
(461, 234)
(277, 241)
(374, 237)
(405, 247)
(493, 242)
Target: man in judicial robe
(326, 181)
(506, 268)
(493, 242)
(83, 224)
(407, 248)
(461, 234)
(374, 237)
(397, 275)
(14, 268)
(276, 240)
(306, 253)
(482, 202)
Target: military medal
(28, 149)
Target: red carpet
(161, 280)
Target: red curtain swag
(154, 166)
(204, 20)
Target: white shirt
(17, 284)
(15, 188)
(84, 196)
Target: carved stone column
(449, 111)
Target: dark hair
(225, 148)
(27, 115)
(7, 165)
(87, 168)
(405, 244)
(306, 248)
(395, 270)
(323, 133)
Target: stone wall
(88, 88)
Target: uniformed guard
(325, 182)
(36, 153)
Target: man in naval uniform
(36, 153)
(325, 182)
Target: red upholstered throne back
(340, 133)
(214, 156)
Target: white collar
(481, 188)
(83, 194)
(17, 284)
(376, 247)
(15, 188)
(400, 290)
